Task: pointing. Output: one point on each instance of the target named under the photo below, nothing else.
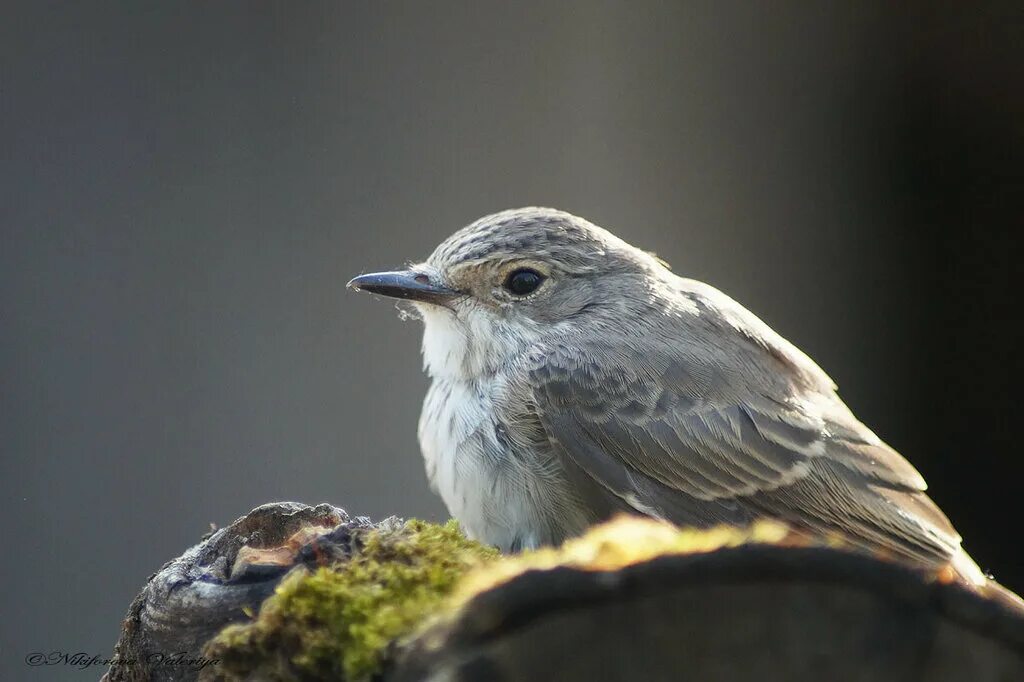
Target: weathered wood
(756, 612)
(192, 597)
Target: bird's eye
(523, 281)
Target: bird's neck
(445, 346)
(470, 347)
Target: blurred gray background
(185, 188)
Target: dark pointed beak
(407, 284)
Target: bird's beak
(408, 284)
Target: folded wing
(648, 428)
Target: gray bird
(575, 376)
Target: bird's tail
(970, 574)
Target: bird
(575, 377)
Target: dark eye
(523, 281)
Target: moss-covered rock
(338, 621)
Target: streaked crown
(566, 241)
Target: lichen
(337, 622)
(623, 541)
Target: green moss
(337, 622)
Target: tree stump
(756, 611)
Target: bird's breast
(452, 432)
(500, 492)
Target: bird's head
(499, 285)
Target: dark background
(185, 188)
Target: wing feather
(686, 441)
